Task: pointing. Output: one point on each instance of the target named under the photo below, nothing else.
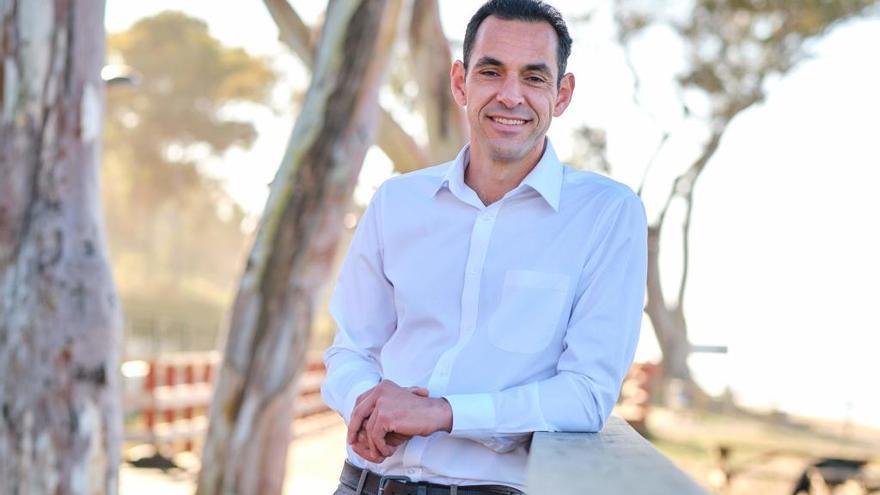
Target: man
(489, 297)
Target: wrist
(444, 414)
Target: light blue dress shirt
(523, 314)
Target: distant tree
(251, 414)
(732, 49)
(173, 230)
(60, 428)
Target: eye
(535, 79)
(489, 72)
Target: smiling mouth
(502, 120)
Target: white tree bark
(60, 325)
(251, 415)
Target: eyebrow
(538, 68)
(489, 61)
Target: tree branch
(683, 187)
(430, 56)
(292, 31)
(651, 161)
(637, 101)
(400, 147)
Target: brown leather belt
(375, 484)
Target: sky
(784, 238)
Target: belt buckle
(385, 479)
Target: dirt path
(313, 465)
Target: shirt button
(410, 471)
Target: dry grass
(767, 452)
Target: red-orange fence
(635, 394)
(167, 398)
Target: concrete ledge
(615, 461)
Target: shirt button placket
(480, 236)
(470, 295)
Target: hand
(387, 409)
(362, 445)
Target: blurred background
(749, 128)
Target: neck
(491, 179)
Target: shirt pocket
(528, 313)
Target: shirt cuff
(471, 413)
(352, 396)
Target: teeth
(504, 121)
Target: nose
(509, 93)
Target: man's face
(510, 90)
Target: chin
(508, 153)
(503, 155)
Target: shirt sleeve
(599, 346)
(363, 307)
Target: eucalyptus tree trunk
(670, 326)
(431, 57)
(60, 323)
(279, 293)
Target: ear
(563, 96)
(456, 81)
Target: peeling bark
(60, 324)
(251, 414)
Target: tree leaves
(174, 233)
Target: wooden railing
(166, 399)
(615, 461)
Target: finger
(368, 429)
(395, 439)
(376, 433)
(364, 452)
(353, 426)
(358, 415)
(361, 447)
(391, 450)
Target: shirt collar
(454, 176)
(545, 178)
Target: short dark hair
(521, 10)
